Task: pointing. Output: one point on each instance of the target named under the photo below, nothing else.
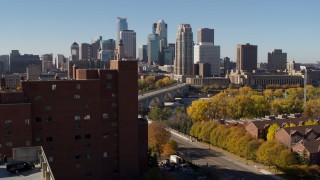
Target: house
(309, 149)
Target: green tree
(272, 131)
(159, 114)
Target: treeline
(149, 83)
(235, 139)
(247, 103)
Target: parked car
(18, 166)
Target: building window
(48, 119)
(78, 156)
(78, 86)
(37, 98)
(77, 137)
(49, 139)
(77, 126)
(27, 121)
(9, 144)
(114, 105)
(76, 96)
(38, 139)
(114, 95)
(39, 129)
(78, 166)
(87, 136)
(8, 133)
(48, 108)
(28, 143)
(109, 85)
(50, 159)
(87, 156)
(87, 117)
(7, 122)
(105, 116)
(105, 154)
(105, 135)
(54, 87)
(88, 174)
(38, 119)
(87, 145)
(77, 117)
(109, 76)
(114, 124)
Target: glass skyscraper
(121, 25)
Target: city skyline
(37, 27)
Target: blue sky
(51, 26)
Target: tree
(198, 111)
(310, 122)
(158, 136)
(286, 158)
(312, 107)
(170, 148)
(272, 131)
(159, 114)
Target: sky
(51, 26)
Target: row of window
(8, 123)
(10, 144)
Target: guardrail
(46, 170)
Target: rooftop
(34, 174)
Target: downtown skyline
(37, 27)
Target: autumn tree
(312, 108)
(170, 148)
(198, 111)
(272, 131)
(158, 136)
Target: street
(227, 167)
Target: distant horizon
(45, 27)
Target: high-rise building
(247, 56)
(107, 50)
(206, 52)
(128, 38)
(277, 60)
(61, 62)
(168, 55)
(5, 63)
(94, 48)
(47, 62)
(84, 51)
(206, 35)
(153, 48)
(19, 63)
(184, 51)
(161, 28)
(75, 52)
(143, 53)
(121, 25)
(97, 137)
(172, 46)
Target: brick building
(309, 149)
(87, 126)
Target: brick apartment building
(88, 126)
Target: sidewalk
(250, 165)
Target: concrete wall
(29, 154)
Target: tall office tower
(47, 62)
(161, 28)
(143, 53)
(247, 56)
(84, 51)
(97, 137)
(206, 35)
(128, 38)
(172, 46)
(60, 61)
(94, 49)
(5, 61)
(75, 52)
(277, 60)
(226, 65)
(153, 49)
(184, 51)
(107, 50)
(206, 52)
(19, 63)
(121, 25)
(167, 54)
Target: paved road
(148, 94)
(226, 167)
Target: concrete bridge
(159, 96)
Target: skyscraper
(143, 53)
(61, 62)
(47, 62)
(277, 60)
(121, 25)
(5, 60)
(107, 50)
(247, 57)
(75, 51)
(206, 52)
(206, 35)
(161, 28)
(153, 48)
(184, 51)
(128, 38)
(84, 51)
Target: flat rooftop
(35, 174)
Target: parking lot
(34, 174)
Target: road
(147, 94)
(227, 167)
